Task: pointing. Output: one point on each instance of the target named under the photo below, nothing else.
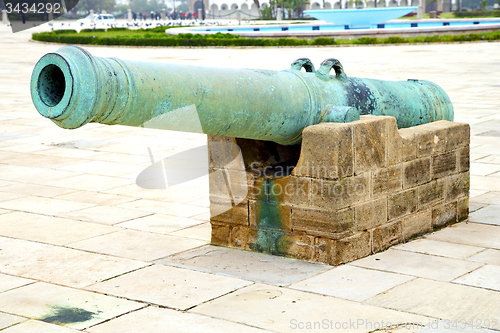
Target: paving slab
(490, 158)
(488, 215)
(417, 264)
(169, 286)
(106, 214)
(96, 198)
(246, 265)
(60, 265)
(64, 306)
(287, 310)
(102, 168)
(5, 196)
(483, 169)
(475, 234)
(38, 190)
(474, 206)
(168, 208)
(485, 183)
(137, 192)
(487, 277)
(49, 229)
(160, 223)
(34, 175)
(488, 256)
(442, 300)
(351, 283)
(8, 282)
(89, 182)
(201, 231)
(475, 193)
(7, 320)
(45, 206)
(490, 198)
(437, 248)
(153, 319)
(36, 326)
(138, 245)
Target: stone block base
(347, 191)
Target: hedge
(132, 38)
(477, 13)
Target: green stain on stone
(270, 233)
(68, 315)
(278, 245)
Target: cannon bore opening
(51, 85)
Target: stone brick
(224, 153)
(369, 137)
(444, 164)
(416, 172)
(297, 246)
(457, 186)
(220, 234)
(463, 209)
(340, 194)
(326, 151)
(431, 193)
(370, 214)
(457, 135)
(325, 250)
(401, 144)
(290, 190)
(417, 224)
(352, 248)
(231, 184)
(387, 180)
(319, 222)
(463, 159)
(402, 203)
(387, 235)
(224, 210)
(444, 214)
(430, 138)
(247, 238)
(269, 215)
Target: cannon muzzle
(71, 87)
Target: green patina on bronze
(72, 88)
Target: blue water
(341, 27)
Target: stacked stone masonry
(357, 188)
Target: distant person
(152, 16)
(144, 16)
(140, 16)
(134, 16)
(195, 15)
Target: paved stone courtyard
(86, 245)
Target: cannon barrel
(72, 88)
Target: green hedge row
(219, 39)
(478, 13)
